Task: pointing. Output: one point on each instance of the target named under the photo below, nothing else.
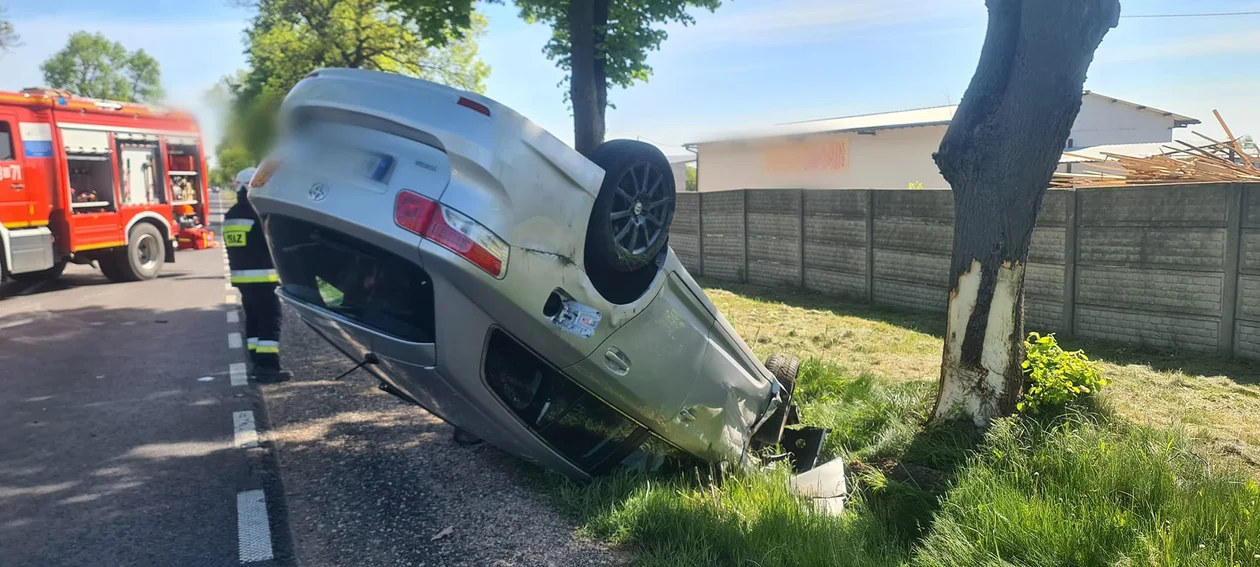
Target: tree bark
(588, 130)
(998, 156)
(601, 64)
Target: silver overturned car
(508, 284)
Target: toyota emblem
(317, 192)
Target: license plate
(359, 163)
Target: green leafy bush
(1056, 376)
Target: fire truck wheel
(144, 255)
(109, 267)
(42, 275)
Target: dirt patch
(374, 481)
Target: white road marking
(17, 323)
(234, 340)
(230, 299)
(253, 532)
(233, 316)
(206, 379)
(237, 373)
(243, 426)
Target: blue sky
(751, 63)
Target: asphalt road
(119, 443)
(124, 444)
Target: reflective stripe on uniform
(253, 343)
(268, 347)
(254, 276)
(235, 232)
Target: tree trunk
(588, 125)
(998, 155)
(601, 64)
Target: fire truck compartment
(30, 250)
(91, 183)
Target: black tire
(630, 221)
(109, 267)
(785, 369)
(143, 257)
(42, 275)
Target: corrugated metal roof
(1179, 119)
(1095, 153)
(933, 116)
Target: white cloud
(802, 21)
(1207, 45)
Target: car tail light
(263, 173)
(469, 103)
(412, 212)
(452, 230)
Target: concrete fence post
(700, 229)
(1233, 261)
(1068, 317)
(801, 235)
(744, 273)
(870, 245)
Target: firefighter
(255, 276)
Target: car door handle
(616, 361)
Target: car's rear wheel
(785, 369)
(630, 221)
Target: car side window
(7, 152)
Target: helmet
(242, 178)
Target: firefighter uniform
(253, 273)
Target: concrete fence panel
(684, 233)
(722, 219)
(1165, 266)
(774, 237)
(912, 242)
(1151, 264)
(836, 252)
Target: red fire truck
(85, 180)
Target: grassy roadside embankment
(1160, 470)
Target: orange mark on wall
(828, 154)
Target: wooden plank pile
(1181, 163)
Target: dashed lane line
(238, 376)
(234, 340)
(246, 434)
(253, 531)
(233, 316)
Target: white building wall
(897, 158)
(891, 159)
(1104, 122)
(680, 175)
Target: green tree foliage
(91, 65)
(290, 38)
(693, 182)
(604, 43)
(9, 37)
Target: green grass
(1216, 399)
(1090, 486)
